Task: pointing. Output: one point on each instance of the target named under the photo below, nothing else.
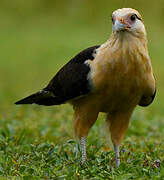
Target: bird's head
(128, 20)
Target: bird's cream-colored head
(128, 20)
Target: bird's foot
(83, 149)
(116, 148)
(117, 162)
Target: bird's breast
(118, 79)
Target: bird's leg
(84, 118)
(83, 149)
(117, 158)
(118, 124)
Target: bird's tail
(42, 97)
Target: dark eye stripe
(138, 17)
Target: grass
(44, 148)
(37, 142)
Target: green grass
(37, 142)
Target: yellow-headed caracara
(113, 78)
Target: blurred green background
(37, 37)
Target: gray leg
(83, 149)
(116, 148)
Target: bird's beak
(120, 24)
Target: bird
(112, 78)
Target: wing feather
(71, 81)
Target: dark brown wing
(69, 83)
(147, 100)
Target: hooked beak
(120, 25)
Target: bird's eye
(133, 17)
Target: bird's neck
(128, 42)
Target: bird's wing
(147, 100)
(70, 82)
